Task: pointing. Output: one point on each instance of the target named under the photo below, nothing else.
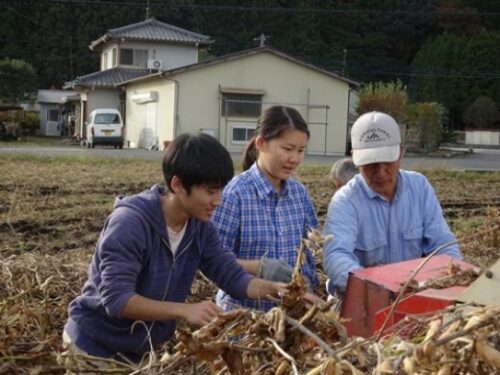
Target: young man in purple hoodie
(148, 253)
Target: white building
(129, 52)
(224, 97)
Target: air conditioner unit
(144, 97)
(154, 64)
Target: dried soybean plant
(298, 338)
(35, 291)
(462, 339)
(294, 337)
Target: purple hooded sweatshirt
(133, 257)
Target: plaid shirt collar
(264, 187)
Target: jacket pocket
(371, 252)
(413, 242)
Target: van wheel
(115, 146)
(120, 145)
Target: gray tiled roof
(153, 30)
(107, 78)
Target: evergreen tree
(17, 81)
(455, 70)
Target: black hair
(197, 160)
(272, 123)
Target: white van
(105, 127)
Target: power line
(234, 8)
(66, 36)
(33, 21)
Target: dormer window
(134, 57)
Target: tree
(455, 70)
(17, 81)
(425, 124)
(482, 113)
(384, 97)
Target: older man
(384, 214)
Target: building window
(141, 58)
(126, 56)
(242, 134)
(53, 115)
(105, 61)
(241, 105)
(113, 58)
(134, 57)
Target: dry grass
(52, 209)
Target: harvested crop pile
(461, 340)
(297, 338)
(34, 296)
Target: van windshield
(106, 118)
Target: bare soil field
(52, 210)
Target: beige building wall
(150, 109)
(283, 81)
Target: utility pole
(147, 10)
(72, 33)
(261, 39)
(344, 61)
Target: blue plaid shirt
(254, 220)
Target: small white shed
(53, 104)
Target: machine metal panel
(370, 290)
(485, 290)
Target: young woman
(264, 212)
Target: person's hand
(274, 270)
(261, 289)
(200, 314)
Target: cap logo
(374, 135)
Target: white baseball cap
(375, 138)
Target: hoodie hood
(148, 204)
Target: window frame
(237, 102)
(52, 110)
(247, 135)
(105, 60)
(136, 61)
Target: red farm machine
(441, 282)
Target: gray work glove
(274, 270)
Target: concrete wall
(102, 98)
(482, 137)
